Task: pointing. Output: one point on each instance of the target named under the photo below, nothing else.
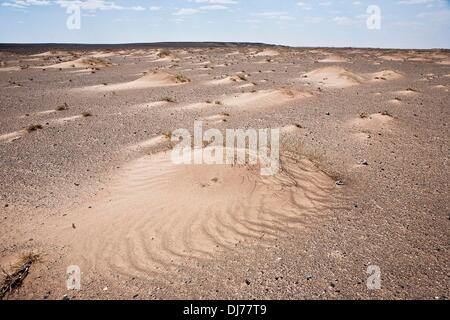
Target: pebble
(364, 163)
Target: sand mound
(158, 216)
(267, 53)
(13, 136)
(385, 75)
(264, 98)
(52, 54)
(8, 69)
(81, 63)
(444, 62)
(151, 80)
(333, 58)
(372, 122)
(101, 54)
(407, 92)
(393, 57)
(227, 80)
(333, 77)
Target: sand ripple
(159, 216)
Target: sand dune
(267, 53)
(373, 122)
(81, 63)
(227, 80)
(264, 98)
(13, 136)
(407, 92)
(8, 69)
(333, 77)
(67, 119)
(101, 54)
(150, 80)
(162, 216)
(52, 54)
(385, 75)
(393, 57)
(197, 105)
(333, 58)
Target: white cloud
(279, 15)
(186, 11)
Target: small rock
(364, 163)
(247, 282)
(340, 183)
(73, 226)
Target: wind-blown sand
(150, 80)
(264, 98)
(81, 63)
(87, 178)
(333, 77)
(144, 227)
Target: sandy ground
(86, 177)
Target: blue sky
(404, 23)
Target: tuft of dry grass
(168, 99)
(33, 127)
(14, 280)
(63, 107)
(363, 115)
(182, 78)
(168, 135)
(163, 53)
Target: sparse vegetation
(168, 135)
(86, 114)
(363, 115)
(168, 99)
(182, 78)
(14, 280)
(33, 127)
(63, 107)
(163, 53)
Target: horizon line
(197, 43)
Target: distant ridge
(35, 47)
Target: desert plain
(86, 177)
